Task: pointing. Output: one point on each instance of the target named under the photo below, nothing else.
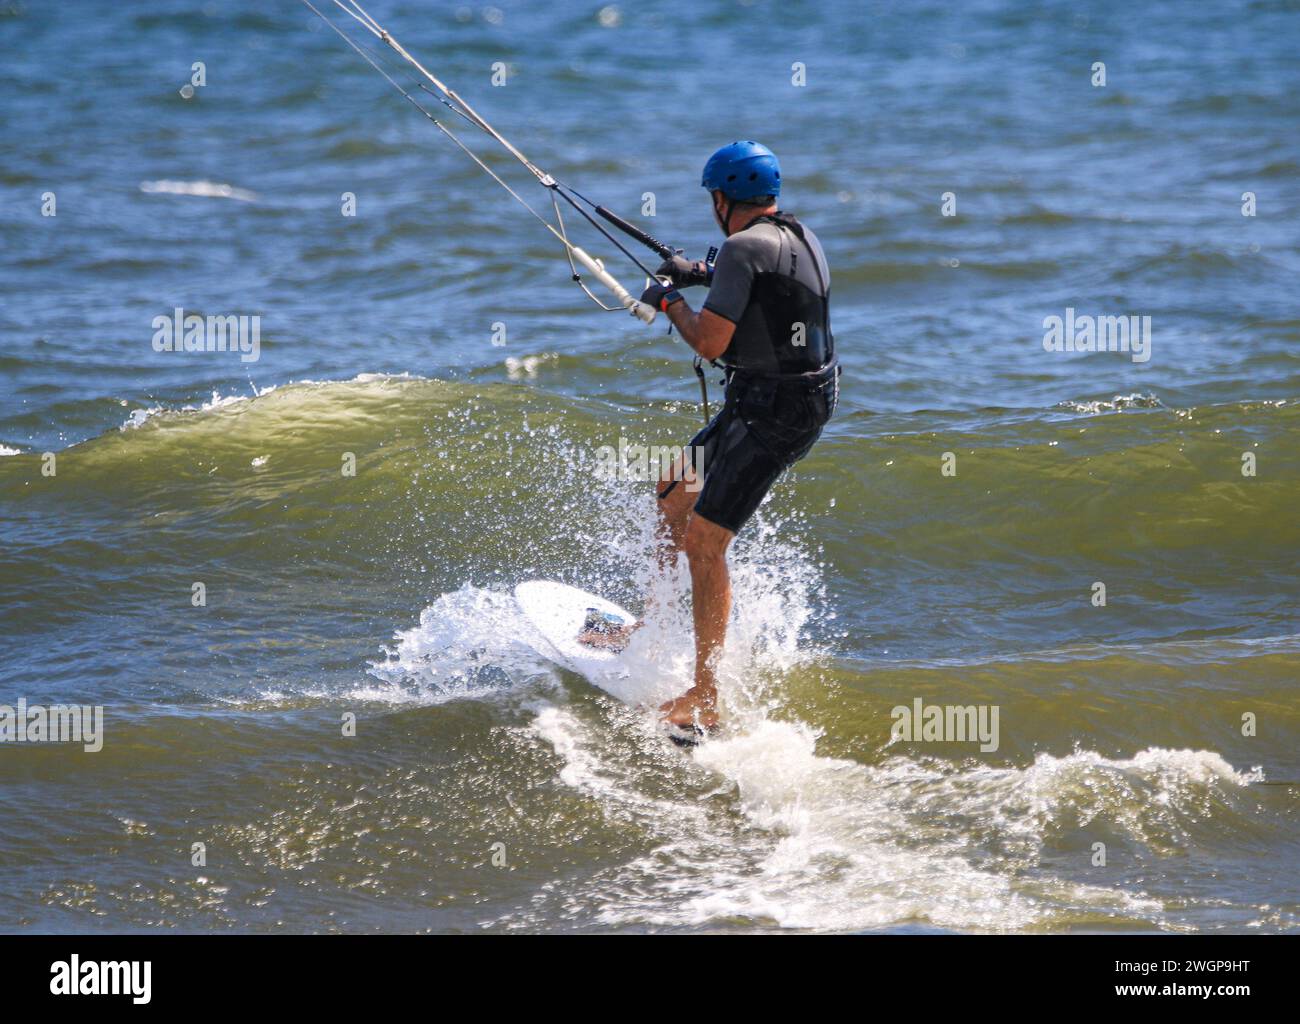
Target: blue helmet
(743, 170)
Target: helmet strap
(724, 220)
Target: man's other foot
(684, 736)
(605, 632)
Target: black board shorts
(764, 427)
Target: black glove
(683, 272)
(660, 296)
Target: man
(766, 322)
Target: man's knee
(705, 541)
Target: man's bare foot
(606, 633)
(696, 707)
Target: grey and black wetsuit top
(771, 280)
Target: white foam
(829, 844)
(139, 417)
(527, 366)
(1136, 400)
(465, 646)
(202, 189)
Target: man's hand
(660, 296)
(683, 272)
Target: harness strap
(788, 221)
(704, 386)
(819, 377)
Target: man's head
(744, 179)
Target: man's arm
(705, 331)
(710, 330)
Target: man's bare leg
(706, 546)
(673, 509)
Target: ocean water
(436, 337)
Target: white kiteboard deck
(558, 612)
